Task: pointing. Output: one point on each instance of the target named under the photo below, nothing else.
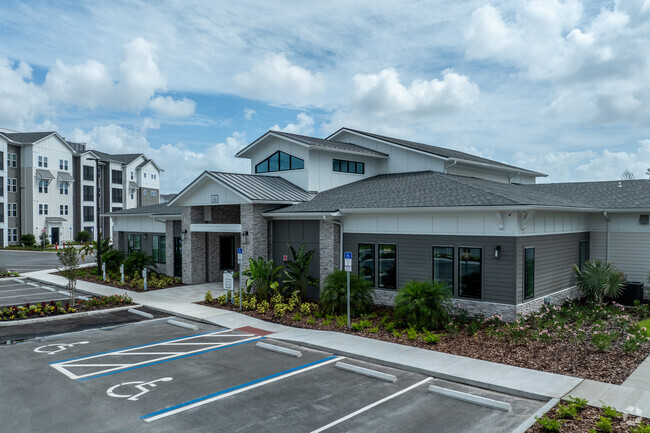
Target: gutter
(607, 241)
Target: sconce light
(244, 237)
(497, 252)
(144, 236)
(183, 233)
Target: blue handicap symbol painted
(239, 250)
(348, 255)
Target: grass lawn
(646, 324)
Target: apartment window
(63, 188)
(134, 243)
(12, 210)
(42, 186)
(115, 209)
(15, 235)
(144, 192)
(387, 266)
(153, 176)
(40, 161)
(88, 172)
(131, 175)
(443, 266)
(145, 175)
(116, 195)
(63, 209)
(469, 272)
(42, 209)
(529, 272)
(584, 254)
(14, 160)
(88, 193)
(2, 161)
(367, 262)
(158, 249)
(348, 166)
(63, 164)
(88, 214)
(2, 214)
(12, 184)
(279, 161)
(154, 193)
(132, 192)
(2, 186)
(116, 176)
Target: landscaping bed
(581, 339)
(57, 308)
(134, 283)
(573, 415)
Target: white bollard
(144, 275)
(104, 271)
(122, 272)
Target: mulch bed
(116, 283)
(579, 360)
(587, 421)
(79, 307)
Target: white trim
(350, 152)
(216, 228)
(494, 235)
(240, 154)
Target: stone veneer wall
(116, 239)
(193, 247)
(487, 309)
(169, 252)
(257, 227)
(329, 248)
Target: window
(348, 166)
(469, 272)
(116, 176)
(145, 175)
(2, 214)
(131, 175)
(12, 210)
(153, 193)
(88, 192)
(134, 243)
(144, 192)
(387, 266)
(529, 273)
(63, 188)
(2, 161)
(60, 164)
(443, 266)
(14, 185)
(584, 254)
(279, 161)
(89, 214)
(115, 209)
(15, 235)
(2, 186)
(88, 173)
(42, 186)
(158, 250)
(42, 209)
(63, 209)
(116, 195)
(14, 160)
(45, 161)
(40, 161)
(132, 191)
(367, 262)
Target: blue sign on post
(348, 255)
(239, 250)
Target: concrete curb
(63, 316)
(470, 398)
(279, 349)
(533, 418)
(183, 325)
(374, 374)
(140, 313)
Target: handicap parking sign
(348, 255)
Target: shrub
(412, 333)
(610, 412)
(136, 262)
(261, 274)
(577, 402)
(28, 240)
(44, 238)
(604, 425)
(430, 338)
(549, 424)
(333, 296)
(641, 428)
(296, 273)
(113, 259)
(208, 296)
(423, 304)
(263, 307)
(602, 342)
(83, 236)
(473, 327)
(567, 411)
(597, 280)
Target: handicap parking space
(159, 377)
(18, 291)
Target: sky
(559, 87)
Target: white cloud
(21, 101)
(182, 165)
(277, 80)
(384, 95)
(248, 113)
(304, 125)
(170, 107)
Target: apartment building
(55, 186)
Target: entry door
(227, 252)
(178, 257)
(55, 235)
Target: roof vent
(644, 219)
(620, 185)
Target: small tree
(69, 267)
(297, 270)
(28, 240)
(334, 294)
(83, 236)
(597, 280)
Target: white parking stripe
(49, 295)
(370, 406)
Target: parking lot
(153, 376)
(19, 291)
(29, 261)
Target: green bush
(261, 274)
(423, 305)
(83, 236)
(333, 296)
(642, 428)
(113, 259)
(208, 296)
(604, 425)
(28, 240)
(136, 262)
(296, 273)
(598, 280)
(549, 424)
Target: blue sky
(561, 87)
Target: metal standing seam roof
(154, 209)
(44, 174)
(133, 185)
(262, 188)
(63, 176)
(55, 219)
(331, 144)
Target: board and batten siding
(295, 233)
(628, 250)
(415, 259)
(555, 256)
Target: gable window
(280, 161)
(42, 186)
(584, 254)
(469, 272)
(443, 266)
(131, 175)
(134, 243)
(342, 166)
(529, 273)
(367, 262)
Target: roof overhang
(246, 150)
(349, 152)
(502, 168)
(203, 176)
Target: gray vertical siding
(295, 233)
(554, 257)
(415, 261)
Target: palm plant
(261, 273)
(597, 279)
(297, 270)
(333, 296)
(423, 304)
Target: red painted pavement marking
(255, 331)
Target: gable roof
(154, 209)
(27, 137)
(438, 151)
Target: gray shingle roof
(432, 189)
(331, 144)
(262, 188)
(126, 158)
(27, 137)
(440, 151)
(154, 209)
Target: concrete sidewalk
(633, 397)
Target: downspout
(451, 165)
(607, 242)
(340, 224)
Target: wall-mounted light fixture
(144, 236)
(497, 252)
(244, 237)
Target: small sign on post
(122, 272)
(104, 271)
(144, 276)
(240, 254)
(348, 269)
